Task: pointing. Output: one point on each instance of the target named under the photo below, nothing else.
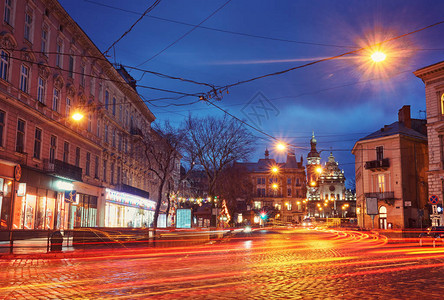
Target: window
(98, 127)
(379, 153)
(120, 112)
(77, 157)
(28, 25)
(82, 76)
(8, 12)
(114, 106)
(4, 65)
(71, 66)
(288, 205)
(44, 47)
(114, 138)
(37, 142)
(52, 149)
(92, 84)
(288, 180)
(381, 183)
(59, 55)
(96, 168)
(260, 180)
(257, 205)
(289, 192)
(104, 170)
(66, 152)
(41, 90)
(297, 182)
(112, 173)
(261, 192)
(20, 142)
(89, 122)
(106, 133)
(88, 163)
(106, 100)
(2, 126)
(56, 100)
(68, 106)
(120, 142)
(24, 78)
(118, 175)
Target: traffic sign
(433, 199)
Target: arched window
(383, 217)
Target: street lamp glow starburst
(378, 56)
(77, 116)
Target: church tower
(313, 163)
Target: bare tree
(162, 151)
(215, 143)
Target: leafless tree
(162, 151)
(215, 143)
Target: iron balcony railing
(381, 195)
(377, 164)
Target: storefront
(127, 210)
(7, 186)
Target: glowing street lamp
(378, 56)
(319, 170)
(77, 116)
(274, 186)
(281, 146)
(274, 170)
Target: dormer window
(379, 153)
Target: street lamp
(378, 56)
(281, 146)
(77, 116)
(274, 170)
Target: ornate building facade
(327, 196)
(55, 172)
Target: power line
(212, 94)
(223, 30)
(134, 24)
(184, 35)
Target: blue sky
(340, 100)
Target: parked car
(434, 236)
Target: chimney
(404, 116)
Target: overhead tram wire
(211, 94)
(222, 30)
(132, 26)
(161, 75)
(184, 35)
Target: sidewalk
(39, 247)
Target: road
(273, 263)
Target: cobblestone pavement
(282, 264)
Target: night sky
(341, 100)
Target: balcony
(381, 196)
(377, 164)
(62, 169)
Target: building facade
(327, 196)
(433, 78)
(391, 180)
(279, 189)
(83, 173)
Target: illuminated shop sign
(21, 191)
(129, 200)
(64, 185)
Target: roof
(394, 129)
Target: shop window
(37, 143)
(20, 141)
(4, 65)
(5, 202)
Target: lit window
(442, 104)
(381, 183)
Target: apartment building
(57, 172)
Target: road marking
(382, 266)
